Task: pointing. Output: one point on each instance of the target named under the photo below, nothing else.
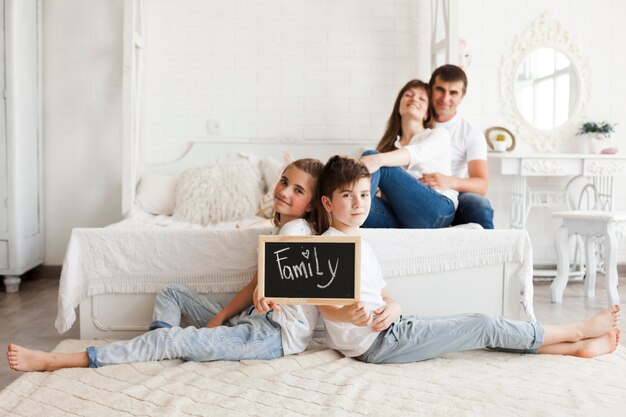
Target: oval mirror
(546, 88)
(545, 85)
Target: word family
(292, 268)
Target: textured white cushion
(156, 194)
(228, 190)
(271, 169)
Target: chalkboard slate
(310, 269)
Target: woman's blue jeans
(474, 208)
(407, 202)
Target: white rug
(321, 382)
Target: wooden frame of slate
(310, 269)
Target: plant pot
(597, 142)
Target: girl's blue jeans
(413, 338)
(246, 336)
(407, 202)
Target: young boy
(373, 329)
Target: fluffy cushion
(156, 194)
(229, 190)
(271, 169)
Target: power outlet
(213, 127)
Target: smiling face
(349, 206)
(414, 104)
(293, 194)
(445, 98)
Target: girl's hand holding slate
(262, 305)
(358, 314)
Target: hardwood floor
(27, 318)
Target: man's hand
(438, 181)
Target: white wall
(82, 63)
(490, 27)
(323, 69)
(302, 68)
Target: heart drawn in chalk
(306, 254)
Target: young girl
(409, 149)
(373, 329)
(269, 335)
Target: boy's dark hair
(449, 73)
(313, 167)
(338, 172)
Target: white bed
(113, 273)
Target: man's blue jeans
(408, 203)
(474, 208)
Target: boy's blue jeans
(247, 336)
(413, 338)
(408, 203)
(473, 208)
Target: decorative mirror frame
(543, 32)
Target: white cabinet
(21, 217)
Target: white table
(600, 168)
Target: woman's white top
(347, 338)
(297, 322)
(431, 152)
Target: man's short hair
(449, 73)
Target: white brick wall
(310, 69)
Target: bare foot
(22, 359)
(600, 324)
(596, 346)
(618, 333)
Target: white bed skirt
(117, 260)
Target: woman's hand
(372, 162)
(385, 316)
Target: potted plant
(598, 136)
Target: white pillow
(229, 190)
(156, 194)
(271, 169)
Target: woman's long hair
(394, 124)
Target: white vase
(597, 142)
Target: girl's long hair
(394, 124)
(313, 167)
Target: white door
(3, 131)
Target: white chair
(590, 225)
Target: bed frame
(493, 288)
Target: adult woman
(408, 149)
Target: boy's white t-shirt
(347, 338)
(297, 322)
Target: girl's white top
(297, 322)
(347, 338)
(431, 152)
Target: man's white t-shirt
(430, 152)
(347, 338)
(467, 144)
(297, 322)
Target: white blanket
(320, 382)
(135, 260)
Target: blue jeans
(473, 208)
(413, 338)
(247, 336)
(408, 203)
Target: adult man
(470, 174)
